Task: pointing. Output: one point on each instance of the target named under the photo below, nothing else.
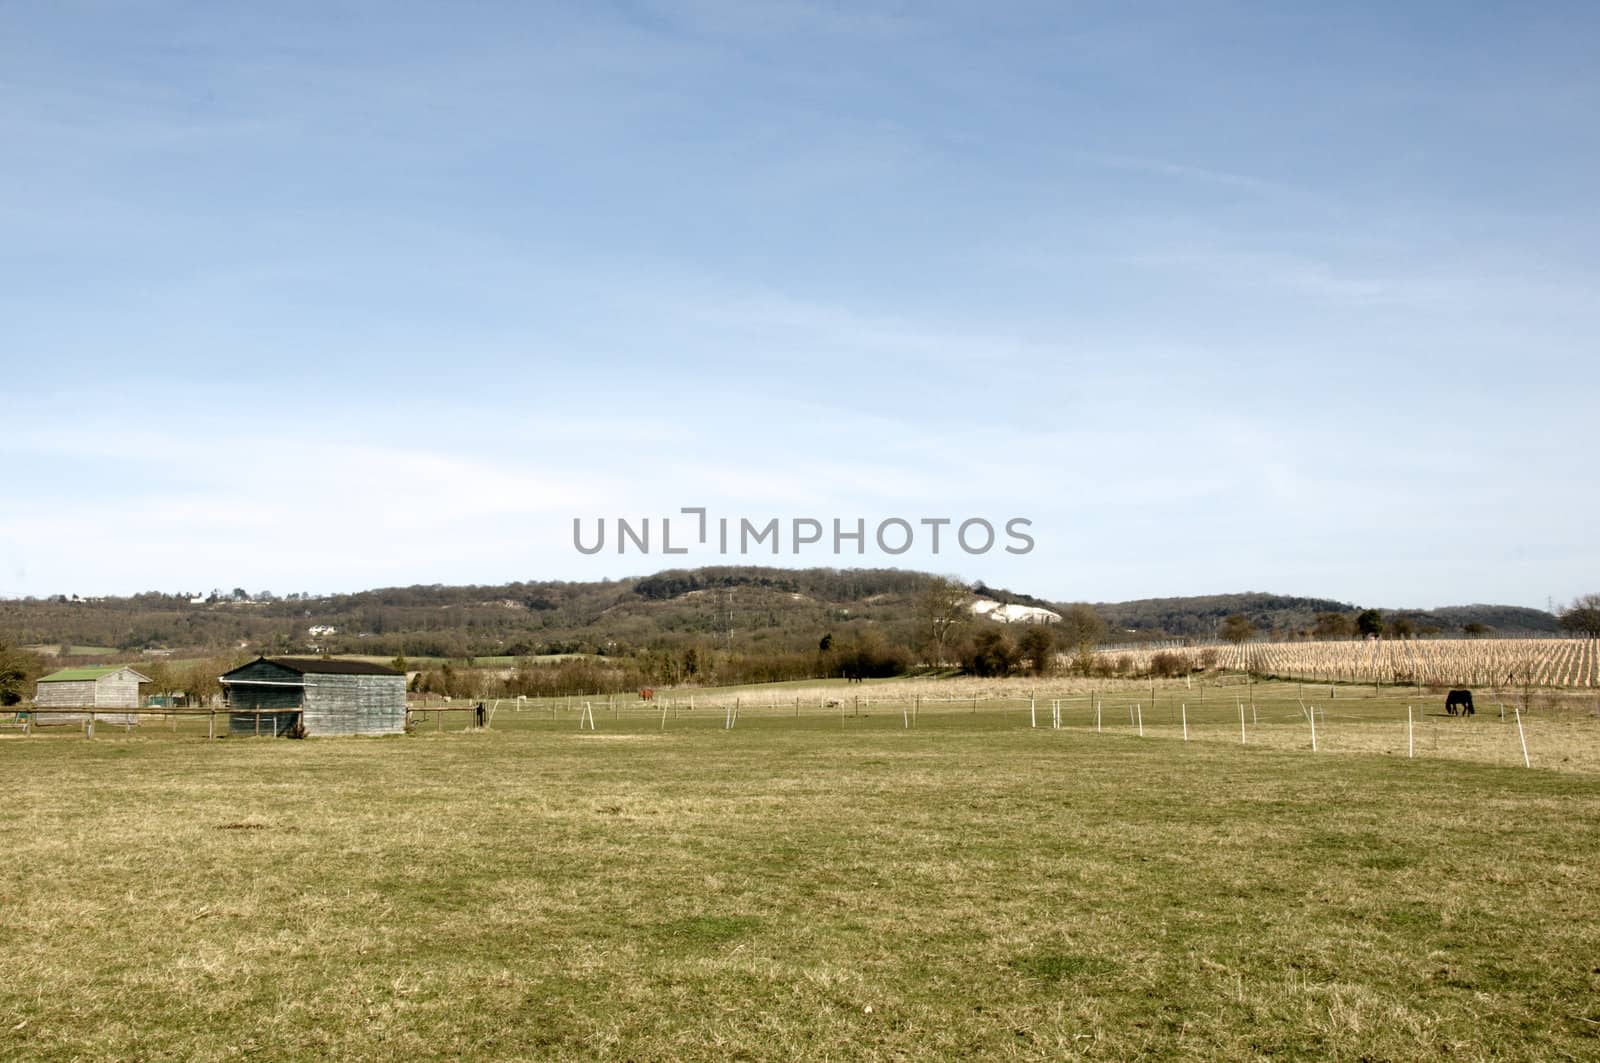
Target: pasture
(72, 650)
(814, 881)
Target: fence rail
(1557, 728)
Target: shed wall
(72, 695)
(253, 696)
(355, 704)
(118, 690)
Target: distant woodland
(728, 609)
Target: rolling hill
(749, 608)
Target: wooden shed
(270, 695)
(81, 689)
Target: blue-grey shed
(270, 695)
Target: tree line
(897, 622)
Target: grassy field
(832, 885)
(1561, 728)
(74, 651)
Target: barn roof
(82, 675)
(324, 666)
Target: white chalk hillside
(1014, 614)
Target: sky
(1217, 296)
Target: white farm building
(80, 690)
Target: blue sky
(1221, 296)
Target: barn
(270, 695)
(106, 687)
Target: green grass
(74, 651)
(794, 888)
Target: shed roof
(81, 675)
(323, 666)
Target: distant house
(80, 689)
(270, 695)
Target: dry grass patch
(973, 888)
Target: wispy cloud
(808, 326)
(1268, 271)
(330, 488)
(1195, 174)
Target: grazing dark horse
(1458, 699)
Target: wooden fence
(31, 717)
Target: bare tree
(1583, 616)
(1081, 628)
(200, 681)
(163, 679)
(1237, 629)
(1079, 632)
(1334, 626)
(943, 608)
